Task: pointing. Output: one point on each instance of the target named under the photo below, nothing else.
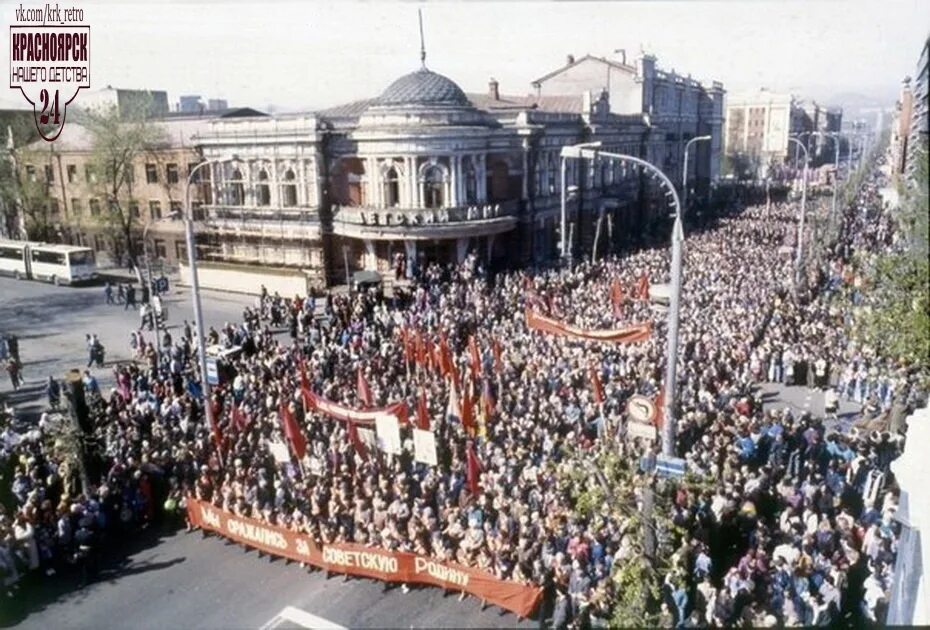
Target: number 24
(43, 96)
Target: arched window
(263, 190)
(391, 188)
(236, 189)
(433, 188)
(289, 190)
(471, 183)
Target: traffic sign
(670, 466)
(641, 409)
(213, 374)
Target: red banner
(536, 321)
(347, 414)
(378, 564)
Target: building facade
(678, 108)
(919, 125)
(759, 123)
(423, 172)
(901, 128)
(152, 195)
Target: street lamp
(678, 238)
(195, 294)
(800, 253)
(684, 173)
(572, 151)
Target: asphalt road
(51, 323)
(183, 580)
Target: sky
(315, 54)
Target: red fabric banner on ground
(371, 562)
(631, 334)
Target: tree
(897, 319)
(117, 141)
(25, 202)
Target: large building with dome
(430, 173)
(427, 172)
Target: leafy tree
(118, 140)
(24, 200)
(897, 320)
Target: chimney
(569, 59)
(493, 91)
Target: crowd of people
(796, 526)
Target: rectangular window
(94, 206)
(13, 253)
(171, 173)
(151, 174)
(134, 209)
(176, 210)
(53, 205)
(197, 211)
(49, 173)
(76, 208)
(154, 210)
(47, 257)
(180, 249)
(160, 251)
(89, 176)
(30, 172)
(190, 169)
(72, 173)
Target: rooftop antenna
(422, 44)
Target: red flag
(474, 355)
(472, 469)
(356, 441)
(239, 421)
(616, 297)
(659, 418)
(292, 432)
(422, 357)
(422, 412)
(498, 356)
(364, 391)
(468, 412)
(215, 426)
(642, 287)
(596, 385)
(445, 355)
(305, 390)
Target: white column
(461, 248)
(412, 183)
(453, 198)
(371, 257)
(371, 175)
(526, 170)
(481, 176)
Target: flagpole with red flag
(364, 390)
(422, 412)
(472, 468)
(292, 432)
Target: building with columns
(424, 171)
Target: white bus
(59, 264)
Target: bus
(58, 264)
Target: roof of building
(567, 103)
(423, 87)
(575, 62)
(347, 110)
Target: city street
(51, 323)
(182, 580)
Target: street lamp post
(800, 250)
(684, 172)
(572, 151)
(669, 424)
(195, 295)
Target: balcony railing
(424, 217)
(252, 220)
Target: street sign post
(213, 374)
(670, 466)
